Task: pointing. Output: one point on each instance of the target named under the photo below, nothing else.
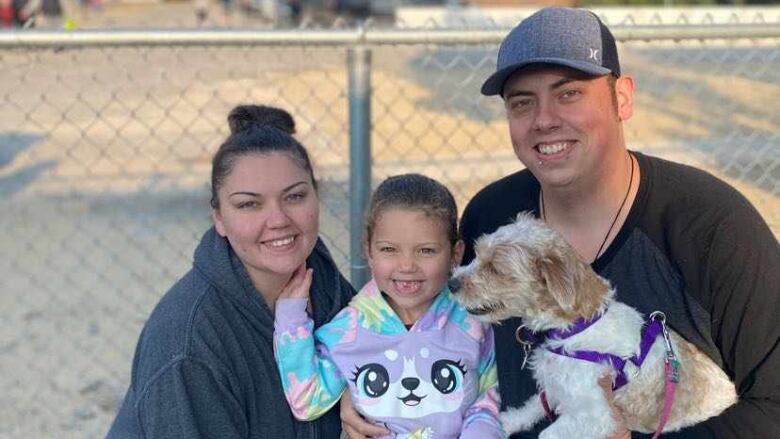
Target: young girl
(412, 358)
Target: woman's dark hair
(256, 129)
(415, 192)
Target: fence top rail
(356, 36)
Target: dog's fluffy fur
(527, 270)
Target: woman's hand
(354, 425)
(298, 285)
(622, 432)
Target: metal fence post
(359, 67)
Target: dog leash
(671, 373)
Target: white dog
(527, 270)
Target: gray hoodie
(204, 365)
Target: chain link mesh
(105, 157)
(707, 104)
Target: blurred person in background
(296, 9)
(204, 365)
(201, 8)
(7, 14)
(18, 13)
(227, 8)
(41, 14)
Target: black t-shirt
(692, 247)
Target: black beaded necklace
(617, 215)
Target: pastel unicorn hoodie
(435, 380)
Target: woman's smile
(280, 243)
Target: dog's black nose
(454, 285)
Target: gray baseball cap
(568, 37)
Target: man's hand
(622, 432)
(354, 425)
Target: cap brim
(494, 85)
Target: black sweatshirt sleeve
(743, 274)
(740, 273)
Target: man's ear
(624, 90)
(557, 276)
(217, 218)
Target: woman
(204, 365)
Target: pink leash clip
(672, 373)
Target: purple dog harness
(655, 326)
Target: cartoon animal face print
(410, 387)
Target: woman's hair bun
(245, 116)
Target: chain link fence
(105, 153)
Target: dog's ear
(556, 274)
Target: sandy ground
(104, 160)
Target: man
(668, 237)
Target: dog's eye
(372, 380)
(447, 375)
